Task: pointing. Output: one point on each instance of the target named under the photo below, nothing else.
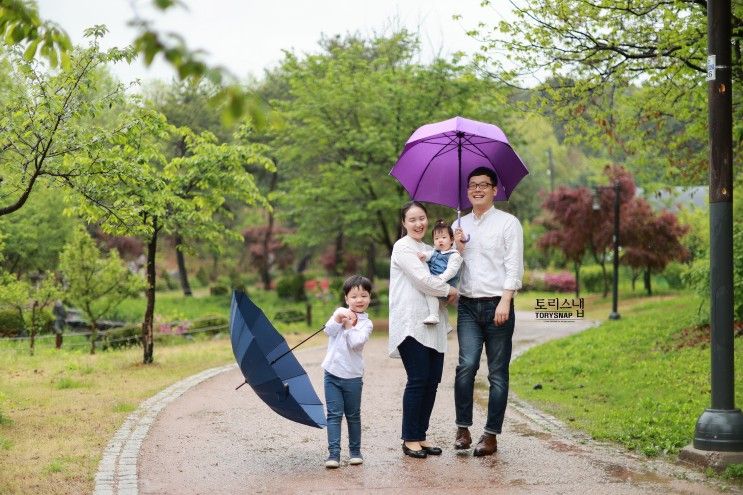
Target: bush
(289, 316)
(218, 290)
(673, 274)
(560, 282)
(11, 324)
(210, 325)
(591, 279)
(291, 287)
(168, 281)
(382, 268)
(202, 276)
(119, 338)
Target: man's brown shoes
(487, 445)
(463, 440)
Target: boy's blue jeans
(343, 396)
(475, 330)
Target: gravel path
(207, 438)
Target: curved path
(209, 439)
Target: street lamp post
(614, 315)
(720, 427)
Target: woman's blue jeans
(343, 396)
(424, 367)
(475, 328)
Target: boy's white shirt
(344, 357)
(452, 266)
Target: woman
(421, 346)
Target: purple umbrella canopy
(437, 158)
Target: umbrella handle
(243, 383)
(459, 222)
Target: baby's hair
(441, 224)
(356, 281)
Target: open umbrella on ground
(438, 157)
(269, 366)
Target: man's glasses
(479, 185)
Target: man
(491, 274)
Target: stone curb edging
(117, 470)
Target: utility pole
(720, 427)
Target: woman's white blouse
(410, 281)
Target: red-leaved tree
(567, 220)
(651, 240)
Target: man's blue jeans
(475, 328)
(343, 396)
(424, 367)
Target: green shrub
(119, 338)
(673, 275)
(382, 268)
(591, 279)
(218, 290)
(11, 324)
(202, 276)
(291, 287)
(289, 316)
(210, 325)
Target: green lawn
(636, 381)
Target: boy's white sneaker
(355, 461)
(431, 320)
(331, 463)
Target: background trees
(628, 77)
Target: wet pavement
(215, 440)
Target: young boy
(444, 261)
(349, 329)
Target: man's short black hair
(484, 171)
(356, 281)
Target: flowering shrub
(560, 282)
(172, 327)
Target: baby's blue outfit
(437, 264)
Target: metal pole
(614, 315)
(720, 427)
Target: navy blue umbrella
(269, 366)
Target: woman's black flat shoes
(432, 450)
(418, 454)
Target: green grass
(59, 408)
(627, 381)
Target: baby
(444, 261)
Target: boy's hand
(350, 320)
(421, 256)
(345, 316)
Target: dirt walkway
(214, 440)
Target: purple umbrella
(438, 157)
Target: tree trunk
(337, 269)
(646, 277)
(303, 263)
(371, 261)
(576, 268)
(93, 335)
(182, 273)
(148, 341)
(266, 268)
